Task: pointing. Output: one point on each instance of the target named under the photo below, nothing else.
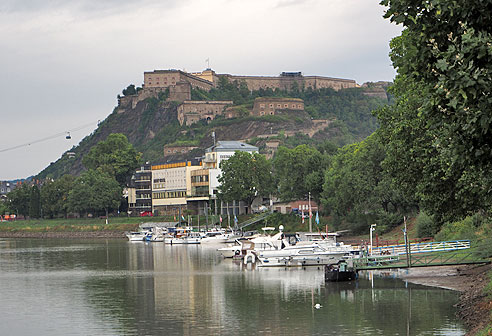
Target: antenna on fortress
(208, 63)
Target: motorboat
(217, 236)
(177, 236)
(136, 235)
(156, 234)
(301, 255)
(257, 243)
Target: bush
(464, 229)
(426, 226)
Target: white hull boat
(303, 255)
(136, 236)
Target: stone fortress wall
(179, 84)
(189, 112)
(288, 80)
(271, 105)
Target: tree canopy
(438, 133)
(94, 191)
(245, 176)
(299, 171)
(54, 196)
(115, 156)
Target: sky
(63, 62)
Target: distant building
(175, 150)
(171, 186)
(5, 188)
(167, 78)
(218, 153)
(189, 112)
(271, 105)
(140, 191)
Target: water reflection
(116, 287)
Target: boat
(339, 272)
(136, 235)
(156, 234)
(301, 255)
(256, 243)
(179, 235)
(216, 236)
(139, 235)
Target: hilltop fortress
(177, 84)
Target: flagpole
(310, 214)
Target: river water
(116, 287)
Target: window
(286, 105)
(271, 105)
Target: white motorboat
(136, 235)
(301, 255)
(156, 234)
(261, 243)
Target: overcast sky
(63, 62)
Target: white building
(171, 186)
(222, 151)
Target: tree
(115, 156)
(245, 176)
(18, 200)
(130, 90)
(299, 171)
(358, 188)
(35, 202)
(93, 191)
(54, 196)
(439, 131)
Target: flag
(220, 219)
(317, 218)
(182, 217)
(302, 216)
(235, 219)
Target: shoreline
(64, 234)
(474, 305)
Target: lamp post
(373, 227)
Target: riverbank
(64, 234)
(474, 306)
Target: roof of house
(232, 146)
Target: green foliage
(3, 207)
(54, 196)
(438, 133)
(359, 190)
(477, 227)
(35, 202)
(18, 200)
(426, 226)
(299, 171)
(245, 176)
(93, 191)
(115, 156)
(129, 91)
(148, 114)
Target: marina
(115, 286)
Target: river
(116, 287)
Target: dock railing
(424, 247)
